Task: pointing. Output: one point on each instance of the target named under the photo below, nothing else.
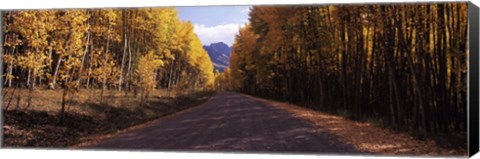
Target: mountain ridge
(219, 53)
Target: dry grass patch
(86, 115)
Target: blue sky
(215, 23)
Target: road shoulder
(95, 139)
(365, 136)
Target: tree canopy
(404, 64)
(125, 49)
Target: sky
(216, 23)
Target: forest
(78, 72)
(403, 65)
(130, 50)
(69, 75)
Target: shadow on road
(231, 122)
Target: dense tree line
(131, 50)
(405, 64)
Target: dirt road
(230, 122)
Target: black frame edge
(473, 84)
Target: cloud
(246, 10)
(219, 33)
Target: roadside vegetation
(86, 115)
(69, 74)
(403, 66)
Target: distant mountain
(219, 54)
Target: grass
(87, 115)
